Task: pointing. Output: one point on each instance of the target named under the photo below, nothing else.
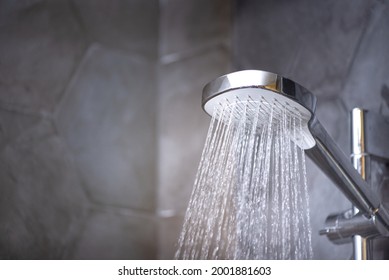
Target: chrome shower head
(272, 92)
(290, 97)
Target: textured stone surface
(108, 120)
(42, 202)
(325, 199)
(169, 230)
(113, 235)
(311, 43)
(335, 118)
(186, 26)
(183, 125)
(41, 44)
(130, 25)
(13, 124)
(380, 183)
(8, 9)
(384, 188)
(369, 74)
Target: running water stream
(250, 198)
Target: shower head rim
(261, 86)
(261, 80)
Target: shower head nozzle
(268, 89)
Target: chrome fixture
(368, 133)
(370, 218)
(359, 157)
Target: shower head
(273, 93)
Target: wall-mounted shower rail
(334, 163)
(359, 156)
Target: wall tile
(183, 125)
(13, 124)
(42, 203)
(312, 44)
(188, 25)
(128, 25)
(325, 199)
(8, 9)
(169, 229)
(265, 35)
(369, 73)
(40, 47)
(108, 120)
(110, 235)
(335, 118)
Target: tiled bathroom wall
(194, 48)
(101, 126)
(78, 101)
(336, 49)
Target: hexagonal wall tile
(13, 124)
(325, 199)
(42, 203)
(198, 23)
(335, 118)
(108, 120)
(127, 25)
(312, 44)
(369, 72)
(40, 47)
(183, 125)
(169, 230)
(113, 235)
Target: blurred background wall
(101, 127)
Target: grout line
(121, 210)
(79, 20)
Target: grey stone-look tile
(8, 9)
(13, 124)
(110, 235)
(379, 182)
(127, 25)
(107, 118)
(169, 229)
(384, 189)
(265, 36)
(335, 119)
(325, 199)
(191, 24)
(42, 203)
(329, 40)
(369, 72)
(183, 125)
(311, 43)
(40, 47)
(378, 179)
(384, 108)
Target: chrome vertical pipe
(359, 158)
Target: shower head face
(269, 93)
